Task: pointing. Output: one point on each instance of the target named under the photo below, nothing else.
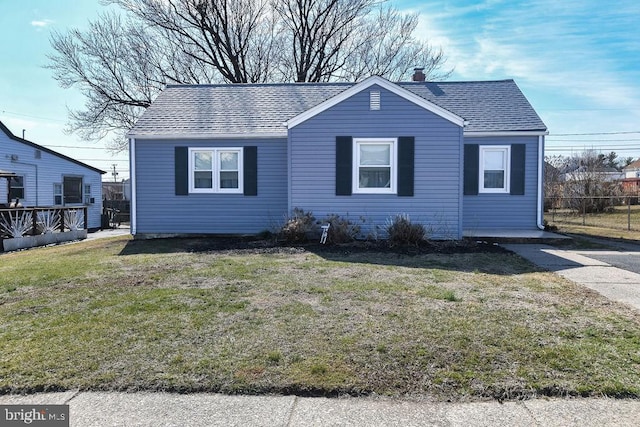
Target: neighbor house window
(16, 187)
(87, 194)
(72, 187)
(494, 169)
(215, 170)
(57, 194)
(375, 165)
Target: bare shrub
(298, 226)
(402, 231)
(342, 230)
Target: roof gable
(385, 84)
(632, 166)
(6, 130)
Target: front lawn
(184, 316)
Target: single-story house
(40, 177)
(462, 158)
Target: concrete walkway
(161, 409)
(583, 268)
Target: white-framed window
(495, 166)
(16, 188)
(215, 170)
(87, 194)
(57, 193)
(375, 165)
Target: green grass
(608, 224)
(159, 315)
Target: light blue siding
(505, 211)
(438, 154)
(41, 170)
(160, 211)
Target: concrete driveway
(613, 272)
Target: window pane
(57, 194)
(229, 161)
(375, 177)
(375, 154)
(16, 187)
(203, 160)
(493, 179)
(203, 180)
(494, 160)
(228, 179)
(72, 188)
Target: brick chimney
(418, 75)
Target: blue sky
(577, 61)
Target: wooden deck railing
(32, 224)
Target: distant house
(462, 158)
(632, 170)
(115, 190)
(38, 177)
(604, 174)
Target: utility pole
(114, 173)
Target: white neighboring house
(44, 177)
(632, 170)
(604, 174)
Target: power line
(594, 133)
(594, 140)
(32, 117)
(75, 146)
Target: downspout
(539, 218)
(132, 183)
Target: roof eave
(481, 134)
(6, 130)
(272, 135)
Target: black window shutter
(344, 164)
(182, 171)
(406, 148)
(250, 175)
(471, 169)
(517, 169)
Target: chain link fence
(610, 212)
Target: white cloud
(576, 60)
(41, 23)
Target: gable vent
(374, 100)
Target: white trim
(184, 136)
(506, 133)
(507, 169)
(132, 182)
(215, 172)
(383, 83)
(539, 214)
(393, 167)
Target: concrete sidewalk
(87, 409)
(614, 283)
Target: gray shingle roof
(261, 109)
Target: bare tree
(235, 38)
(590, 184)
(389, 48)
(108, 64)
(125, 58)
